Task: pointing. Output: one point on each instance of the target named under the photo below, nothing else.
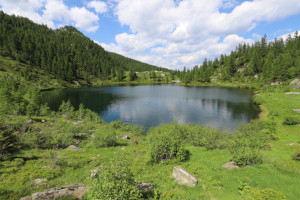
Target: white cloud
(99, 6)
(184, 32)
(54, 13)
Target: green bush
(296, 156)
(214, 139)
(166, 142)
(105, 137)
(9, 144)
(114, 182)
(247, 142)
(258, 100)
(290, 120)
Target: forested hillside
(262, 62)
(65, 52)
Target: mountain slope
(66, 52)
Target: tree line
(64, 52)
(263, 61)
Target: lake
(151, 105)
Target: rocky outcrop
(182, 177)
(77, 190)
(145, 188)
(73, 148)
(231, 165)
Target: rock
(295, 83)
(231, 165)
(73, 148)
(125, 137)
(276, 83)
(182, 177)
(296, 110)
(24, 129)
(295, 93)
(29, 121)
(39, 181)
(145, 188)
(94, 172)
(77, 190)
(77, 123)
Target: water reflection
(152, 105)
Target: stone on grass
(295, 83)
(296, 110)
(77, 190)
(295, 93)
(145, 188)
(39, 181)
(73, 148)
(125, 137)
(230, 165)
(94, 172)
(182, 177)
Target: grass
(278, 170)
(64, 167)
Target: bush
(8, 141)
(166, 142)
(114, 182)
(246, 144)
(296, 156)
(290, 120)
(105, 137)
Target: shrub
(290, 120)
(105, 137)
(166, 142)
(245, 146)
(296, 156)
(214, 139)
(258, 100)
(114, 182)
(66, 109)
(8, 141)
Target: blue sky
(167, 33)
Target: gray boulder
(77, 190)
(73, 148)
(182, 177)
(145, 188)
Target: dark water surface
(152, 105)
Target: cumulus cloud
(178, 33)
(53, 13)
(168, 33)
(99, 6)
